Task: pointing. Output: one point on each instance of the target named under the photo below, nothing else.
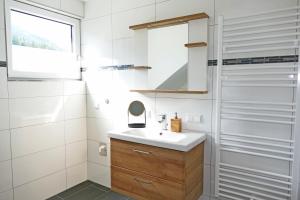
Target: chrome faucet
(163, 121)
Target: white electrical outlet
(197, 118)
(188, 118)
(193, 118)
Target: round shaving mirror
(136, 108)
(135, 111)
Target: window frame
(46, 14)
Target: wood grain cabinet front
(147, 172)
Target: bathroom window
(41, 44)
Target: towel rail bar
(255, 182)
(253, 192)
(248, 197)
(258, 120)
(248, 50)
(262, 31)
(256, 188)
(258, 114)
(264, 13)
(259, 73)
(262, 25)
(231, 197)
(262, 37)
(256, 177)
(257, 154)
(258, 143)
(262, 19)
(257, 171)
(294, 41)
(259, 67)
(258, 137)
(260, 102)
(259, 85)
(258, 79)
(255, 148)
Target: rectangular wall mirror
(168, 57)
(175, 53)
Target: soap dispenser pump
(176, 124)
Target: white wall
(2, 33)
(107, 40)
(70, 6)
(43, 145)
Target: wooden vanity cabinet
(146, 172)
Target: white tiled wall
(42, 188)
(28, 140)
(8, 195)
(107, 40)
(122, 20)
(2, 25)
(71, 6)
(76, 174)
(33, 111)
(2, 44)
(96, 8)
(43, 134)
(43, 137)
(2, 33)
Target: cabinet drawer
(158, 162)
(144, 187)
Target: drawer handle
(143, 182)
(143, 152)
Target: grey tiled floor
(89, 191)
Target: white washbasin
(184, 141)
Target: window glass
(41, 46)
(35, 32)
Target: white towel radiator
(256, 108)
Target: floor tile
(112, 196)
(89, 193)
(99, 186)
(55, 198)
(74, 189)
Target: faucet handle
(162, 118)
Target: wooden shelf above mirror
(195, 44)
(172, 91)
(170, 22)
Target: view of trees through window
(22, 38)
(43, 44)
(36, 32)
